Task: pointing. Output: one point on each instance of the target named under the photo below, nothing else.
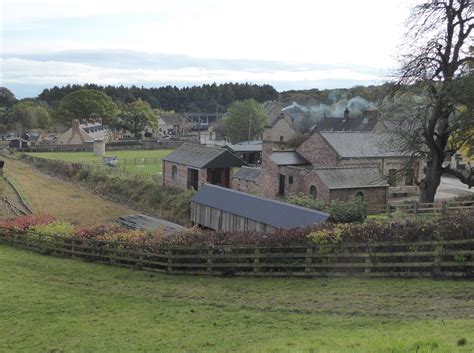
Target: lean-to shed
(225, 209)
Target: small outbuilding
(224, 209)
(193, 165)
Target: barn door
(281, 186)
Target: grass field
(62, 305)
(151, 167)
(64, 200)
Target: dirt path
(61, 199)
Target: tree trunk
(431, 181)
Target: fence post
(309, 260)
(170, 260)
(368, 261)
(444, 207)
(387, 208)
(256, 261)
(437, 259)
(209, 259)
(415, 207)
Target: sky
(297, 44)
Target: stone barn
(193, 165)
(224, 209)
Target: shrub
(348, 211)
(341, 211)
(60, 228)
(24, 222)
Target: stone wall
(282, 131)
(181, 179)
(372, 196)
(317, 151)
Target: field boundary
(428, 259)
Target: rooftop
(348, 178)
(247, 173)
(267, 211)
(199, 156)
(288, 158)
(363, 144)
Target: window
(281, 138)
(313, 192)
(409, 177)
(290, 179)
(392, 177)
(174, 172)
(360, 195)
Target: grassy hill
(61, 305)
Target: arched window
(360, 195)
(313, 192)
(174, 172)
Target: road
(452, 187)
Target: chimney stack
(267, 147)
(346, 113)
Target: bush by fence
(445, 259)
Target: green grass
(61, 305)
(140, 167)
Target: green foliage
(348, 211)
(341, 211)
(305, 201)
(28, 115)
(245, 120)
(82, 104)
(7, 98)
(137, 116)
(61, 228)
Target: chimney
(75, 125)
(267, 147)
(346, 113)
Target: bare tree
(437, 122)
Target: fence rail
(445, 259)
(418, 208)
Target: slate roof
(172, 119)
(267, 211)
(245, 148)
(347, 178)
(349, 124)
(363, 144)
(288, 158)
(250, 174)
(199, 156)
(273, 110)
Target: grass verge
(60, 305)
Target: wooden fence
(444, 259)
(418, 208)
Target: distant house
(193, 165)
(19, 142)
(32, 137)
(175, 124)
(280, 121)
(80, 133)
(224, 209)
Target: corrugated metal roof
(246, 173)
(288, 158)
(363, 144)
(199, 156)
(347, 178)
(267, 211)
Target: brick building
(194, 165)
(334, 166)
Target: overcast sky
(293, 44)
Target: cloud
(131, 69)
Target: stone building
(80, 133)
(194, 165)
(334, 166)
(280, 121)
